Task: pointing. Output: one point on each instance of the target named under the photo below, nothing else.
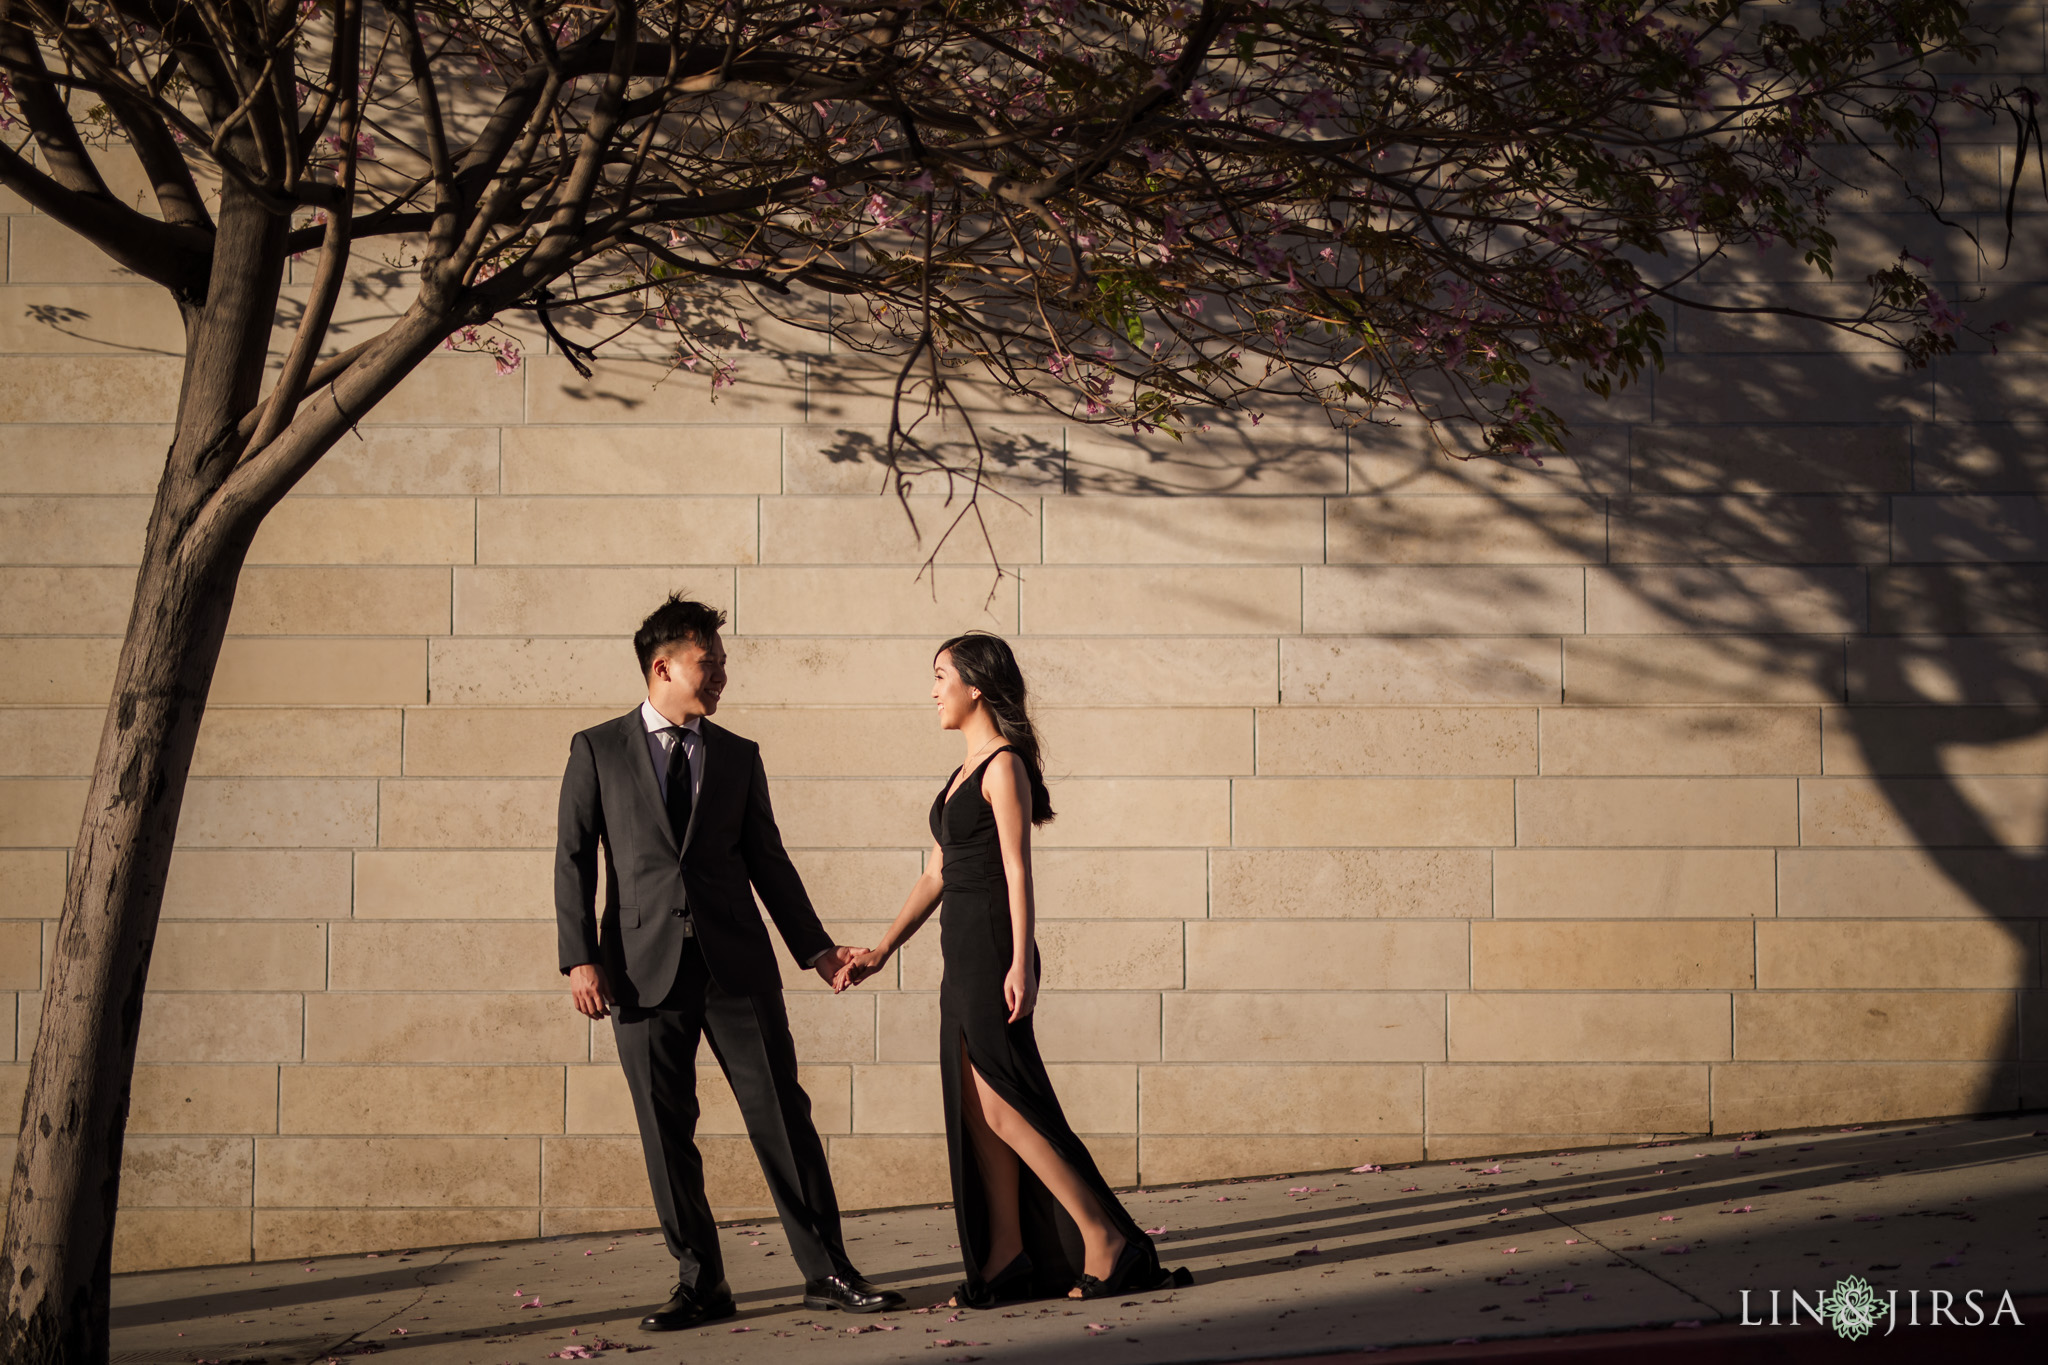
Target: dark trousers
(749, 1035)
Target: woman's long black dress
(976, 942)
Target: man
(679, 809)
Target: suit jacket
(612, 802)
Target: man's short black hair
(673, 622)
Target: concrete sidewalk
(1488, 1259)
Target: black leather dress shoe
(689, 1308)
(851, 1293)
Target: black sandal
(1118, 1280)
(1011, 1284)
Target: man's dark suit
(717, 976)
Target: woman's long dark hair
(985, 663)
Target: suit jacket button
(678, 914)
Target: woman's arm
(1008, 790)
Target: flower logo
(1852, 1308)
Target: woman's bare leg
(998, 1165)
(1100, 1241)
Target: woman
(1035, 1215)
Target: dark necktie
(679, 786)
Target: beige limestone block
(874, 530)
(885, 1171)
(1275, 459)
(1174, 1160)
(31, 886)
(1136, 812)
(1992, 457)
(187, 1172)
(598, 1101)
(69, 600)
(898, 1099)
(1870, 1026)
(442, 1100)
(1941, 529)
(239, 955)
(1750, 1096)
(831, 1028)
(857, 880)
(1182, 600)
(1731, 600)
(1856, 740)
(13, 1083)
(1790, 388)
(1147, 672)
(1613, 955)
(561, 600)
(1603, 1026)
(39, 742)
(1846, 529)
(1407, 462)
(1134, 883)
(1015, 459)
(42, 249)
(845, 672)
(1209, 530)
(40, 812)
(1379, 672)
(1970, 809)
(449, 741)
(944, 601)
(1097, 1099)
(847, 741)
(616, 530)
(1993, 670)
(374, 1172)
(1443, 600)
(290, 1234)
(203, 1099)
(456, 390)
(454, 884)
(1453, 530)
(1633, 883)
(1909, 883)
(43, 458)
(474, 813)
(87, 319)
(416, 461)
(352, 531)
(767, 389)
(228, 1026)
(1566, 1098)
(1720, 741)
(652, 460)
(1155, 741)
(471, 1027)
(1770, 459)
(173, 1239)
(907, 1025)
(257, 884)
(1203, 1099)
(577, 1222)
(315, 672)
(1430, 812)
(471, 672)
(341, 601)
(1897, 954)
(1114, 955)
(1302, 1026)
(1357, 883)
(439, 958)
(278, 813)
(21, 954)
(1349, 955)
(58, 672)
(1389, 741)
(1647, 670)
(89, 389)
(282, 742)
(854, 813)
(53, 531)
(1694, 812)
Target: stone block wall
(1409, 807)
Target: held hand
(1020, 991)
(591, 992)
(830, 965)
(859, 966)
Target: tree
(1131, 211)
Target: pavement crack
(426, 1287)
(1587, 1236)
